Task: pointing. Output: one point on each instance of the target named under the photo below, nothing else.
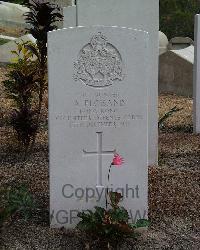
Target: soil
(12, 31)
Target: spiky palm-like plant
(41, 18)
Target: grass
(15, 1)
(3, 41)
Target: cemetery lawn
(174, 187)
(3, 41)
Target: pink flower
(117, 160)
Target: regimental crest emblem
(99, 63)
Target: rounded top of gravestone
(163, 43)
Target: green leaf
(166, 116)
(119, 215)
(141, 223)
(33, 50)
(99, 213)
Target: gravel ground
(174, 188)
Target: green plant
(167, 115)
(112, 224)
(16, 201)
(3, 41)
(21, 86)
(41, 18)
(27, 80)
(109, 224)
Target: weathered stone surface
(12, 14)
(176, 71)
(70, 18)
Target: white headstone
(69, 17)
(137, 14)
(196, 77)
(163, 43)
(176, 71)
(97, 105)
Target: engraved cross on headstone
(99, 154)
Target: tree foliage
(177, 17)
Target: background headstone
(136, 14)
(163, 43)
(176, 72)
(69, 17)
(97, 104)
(196, 83)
